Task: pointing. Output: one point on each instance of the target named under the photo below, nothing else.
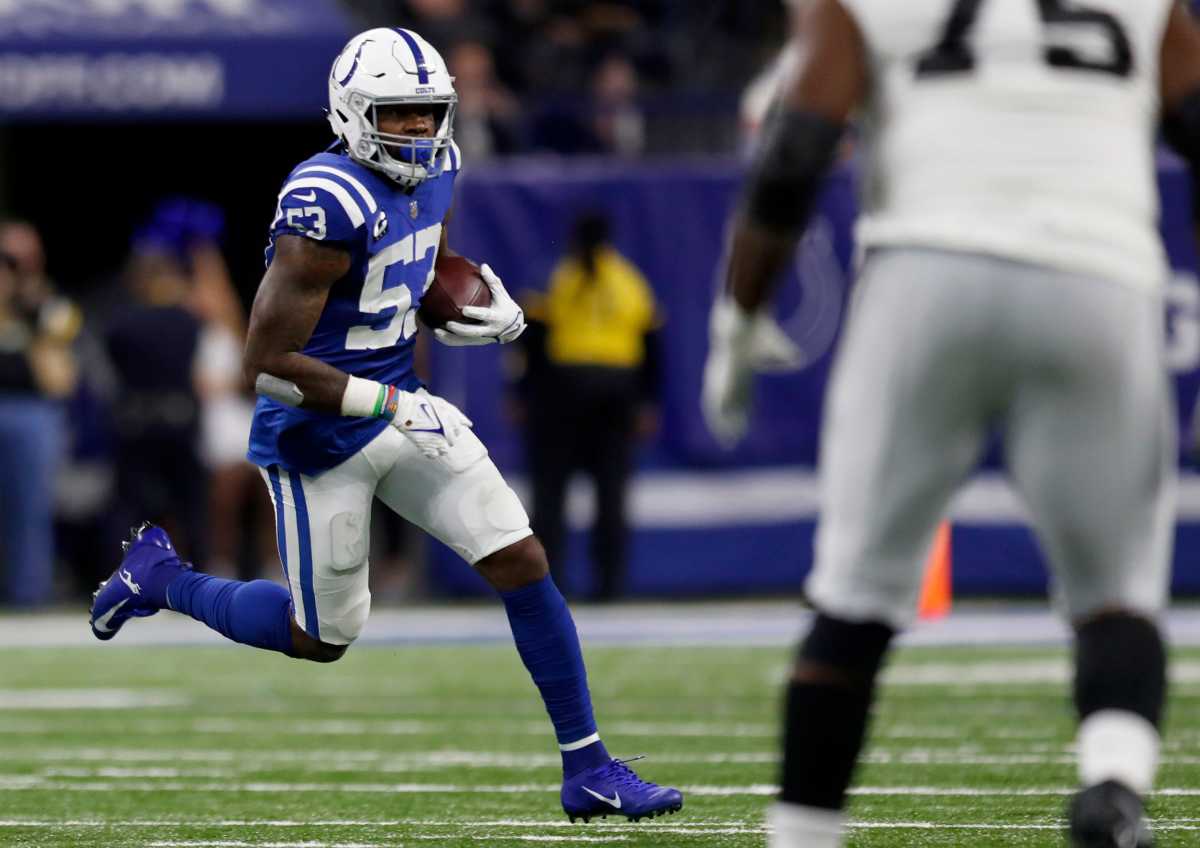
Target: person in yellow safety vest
(590, 392)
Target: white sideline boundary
(665, 500)
(736, 623)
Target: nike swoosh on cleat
(127, 578)
(101, 623)
(614, 801)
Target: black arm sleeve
(797, 150)
(1181, 128)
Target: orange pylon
(936, 592)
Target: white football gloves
(501, 322)
(431, 423)
(740, 344)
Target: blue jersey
(369, 323)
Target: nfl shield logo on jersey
(413, 210)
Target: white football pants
(942, 349)
(323, 523)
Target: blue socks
(545, 636)
(257, 613)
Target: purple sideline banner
(225, 59)
(708, 521)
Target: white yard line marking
(343, 760)
(345, 727)
(34, 783)
(1038, 672)
(469, 726)
(491, 837)
(267, 724)
(88, 699)
(341, 727)
(228, 843)
(141, 764)
(284, 823)
(1158, 826)
(682, 829)
(140, 773)
(558, 823)
(687, 729)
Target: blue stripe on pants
(280, 533)
(311, 627)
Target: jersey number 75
(953, 53)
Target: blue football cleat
(138, 585)
(615, 789)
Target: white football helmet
(382, 67)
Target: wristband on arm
(369, 399)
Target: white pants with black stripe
(942, 349)
(323, 523)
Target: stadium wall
(708, 521)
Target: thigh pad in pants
(460, 499)
(323, 528)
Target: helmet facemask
(407, 159)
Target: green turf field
(448, 746)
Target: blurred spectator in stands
(610, 122)
(152, 343)
(442, 22)
(590, 394)
(617, 119)
(83, 490)
(37, 298)
(22, 243)
(37, 371)
(486, 121)
(241, 523)
(520, 22)
(691, 60)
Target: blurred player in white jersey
(1012, 279)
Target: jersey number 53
(412, 250)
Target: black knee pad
(1120, 664)
(856, 649)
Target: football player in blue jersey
(342, 419)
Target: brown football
(456, 283)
